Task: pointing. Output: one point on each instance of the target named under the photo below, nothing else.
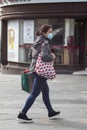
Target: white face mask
(50, 36)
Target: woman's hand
(53, 55)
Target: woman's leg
(37, 87)
(45, 95)
(46, 99)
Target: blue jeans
(39, 85)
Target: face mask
(50, 36)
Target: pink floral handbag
(45, 69)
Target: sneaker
(53, 114)
(23, 118)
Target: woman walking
(42, 45)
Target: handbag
(26, 81)
(45, 69)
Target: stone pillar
(21, 49)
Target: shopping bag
(26, 81)
(45, 69)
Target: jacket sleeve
(46, 52)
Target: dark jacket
(42, 45)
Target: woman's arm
(46, 53)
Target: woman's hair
(43, 29)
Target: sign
(28, 31)
(13, 40)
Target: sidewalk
(82, 72)
(68, 94)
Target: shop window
(58, 40)
(26, 29)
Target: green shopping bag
(26, 82)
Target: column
(21, 49)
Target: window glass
(58, 31)
(58, 39)
(62, 29)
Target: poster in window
(13, 40)
(28, 31)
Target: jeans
(39, 85)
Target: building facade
(20, 19)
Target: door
(86, 44)
(80, 40)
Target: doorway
(85, 56)
(80, 40)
